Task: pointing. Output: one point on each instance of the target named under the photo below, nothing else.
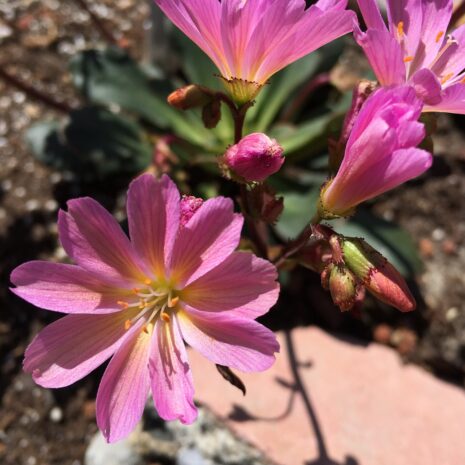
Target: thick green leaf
(95, 144)
(299, 208)
(275, 94)
(111, 76)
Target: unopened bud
(377, 274)
(189, 205)
(192, 96)
(343, 287)
(211, 114)
(254, 158)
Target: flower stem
(294, 246)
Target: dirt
(47, 427)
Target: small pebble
(452, 313)
(56, 414)
(438, 234)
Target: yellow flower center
(153, 301)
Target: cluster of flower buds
(350, 265)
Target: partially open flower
(250, 40)
(254, 158)
(416, 47)
(381, 152)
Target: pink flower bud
(189, 205)
(377, 274)
(254, 158)
(343, 287)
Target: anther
(136, 290)
(400, 29)
(122, 303)
(173, 302)
(446, 78)
(148, 282)
(408, 59)
(462, 81)
(127, 324)
(439, 36)
(146, 329)
(165, 317)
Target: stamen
(136, 290)
(127, 324)
(173, 302)
(408, 59)
(462, 81)
(446, 78)
(146, 329)
(143, 304)
(400, 29)
(123, 304)
(148, 282)
(165, 317)
(439, 36)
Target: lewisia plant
(250, 40)
(178, 279)
(381, 151)
(416, 48)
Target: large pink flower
(381, 151)
(250, 40)
(178, 279)
(416, 48)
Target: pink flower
(254, 158)
(380, 153)
(416, 48)
(139, 300)
(250, 40)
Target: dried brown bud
(192, 96)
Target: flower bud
(189, 205)
(343, 287)
(192, 96)
(254, 158)
(377, 274)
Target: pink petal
(371, 14)
(384, 54)
(63, 288)
(312, 30)
(153, 215)
(70, 348)
(172, 384)
(452, 61)
(436, 18)
(427, 86)
(200, 21)
(125, 385)
(95, 241)
(243, 283)
(452, 101)
(389, 172)
(229, 340)
(209, 237)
